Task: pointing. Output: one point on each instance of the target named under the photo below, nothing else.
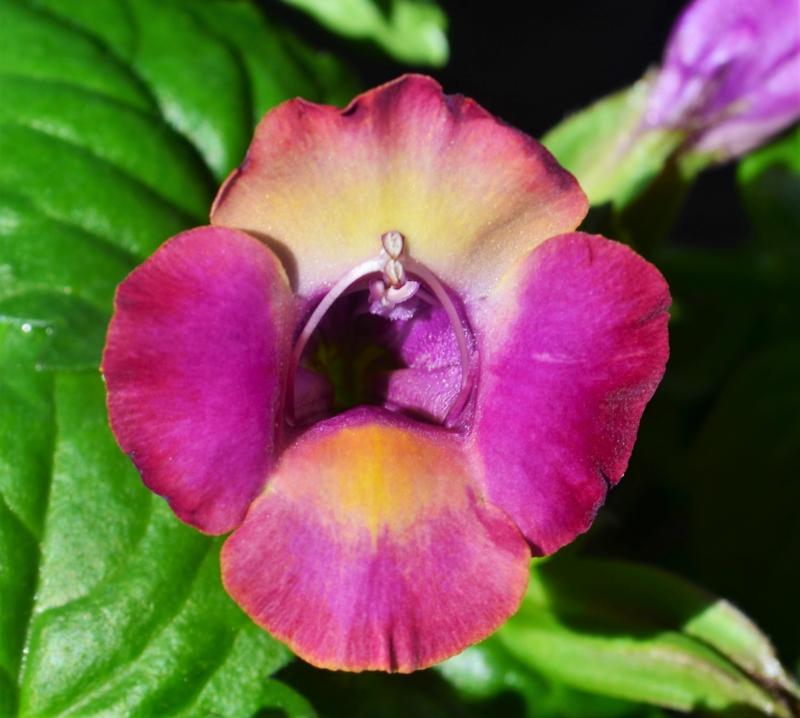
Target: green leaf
(116, 122)
(490, 669)
(128, 615)
(339, 694)
(607, 149)
(277, 64)
(33, 41)
(109, 21)
(202, 94)
(104, 130)
(637, 633)
(247, 65)
(411, 31)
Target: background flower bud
(731, 74)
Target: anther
(393, 243)
(395, 273)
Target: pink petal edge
(573, 345)
(370, 548)
(194, 361)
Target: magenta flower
(393, 534)
(731, 74)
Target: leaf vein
(45, 507)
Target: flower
(412, 226)
(731, 74)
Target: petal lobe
(371, 549)
(194, 362)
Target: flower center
(392, 279)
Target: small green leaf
(640, 634)
(411, 31)
(490, 669)
(607, 149)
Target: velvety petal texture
(428, 351)
(470, 194)
(731, 73)
(372, 549)
(573, 345)
(194, 363)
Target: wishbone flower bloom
(731, 74)
(415, 248)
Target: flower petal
(470, 194)
(428, 352)
(572, 347)
(370, 549)
(194, 361)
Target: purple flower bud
(731, 74)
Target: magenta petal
(371, 548)
(428, 349)
(194, 362)
(573, 347)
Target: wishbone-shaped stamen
(391, 289)
(358, 272)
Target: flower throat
(394, 285)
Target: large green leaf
(128, 617)
(116, 121)
(410, 30)
(633, 632)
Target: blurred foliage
(411, 31)
(607, 148)
(770, 181)
(629, 631)
(118, 119)
(490, 671)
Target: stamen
(394, 273)
(387, 292)
(393, 243)
(398, 295)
